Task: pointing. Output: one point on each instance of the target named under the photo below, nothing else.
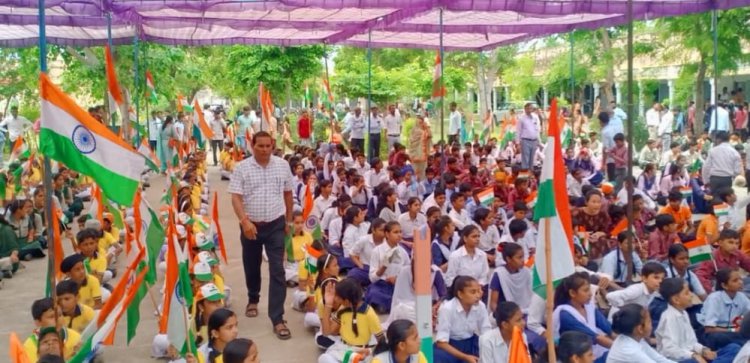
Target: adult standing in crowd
(154, 127)
(653, 118)
(375, 126)
(419, 147)
(454, 126)
(722, 164)
(304, 128)
(392, 126)
(527, 134)
(261, 189)
(244, 121)
(217, 128)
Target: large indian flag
(553, 214)
(178, 296)
(71, 136)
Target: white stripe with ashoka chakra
(108, 154)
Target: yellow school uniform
(97, 264)
(219, 282)
(421, 359)
(90, 291)
(114, 232)
(71, 339)
(35, 176)
(319, 297)
(195, 197)
(368, 324)
(107, 241)
(83, 316)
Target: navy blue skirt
(380, 295)
(362, 275)
(468, 346)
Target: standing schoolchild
(461, 320)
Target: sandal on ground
(251, 311)
(281, 331)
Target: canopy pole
(572, 71)
(106, 97)
(631, 113)
(715, 29)
(136, 93)
(369, 90)
(145, 66)
(441, 99)
(332, 119)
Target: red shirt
(658, 244)
(706, 272)
(304, 127)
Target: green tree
(689, 39)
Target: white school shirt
(395, 258)
(744, 354)
(675, 337)
(455, 123)
(493, 348)
(360, 197)
(393, 124)
(328, 215)
(430, 202)
(455, 323)
(489, 239)
(536, 315)
(351, 235)
(405, 191)
(374, 178)
(320, 205)
(461, 264)
(506, 238)
(461, 220)
(627, 350)
(363, 249)
(334, 231)
(636, 293)
(408, 225)
(358, 125)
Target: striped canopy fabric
(472, 25)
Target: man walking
(261, 189)
(722, 164)
(527, 133)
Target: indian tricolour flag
(699, 250)
(178, 296)
(114, 92)
(438, 90)
(553, 215)
(150, 87)
(20, 150)
(202, 124)
(531, 199)
(686, 192)
(721, 210)
(486, 196)
(216, 228)
(73, 137)
(152, 161)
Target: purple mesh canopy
(472, 25)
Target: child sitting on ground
(723, 309)
(640, 293)
(43, 312)
(74, 315)
(90, 292)
(494, 345)
(727, 255)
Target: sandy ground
(18, 293)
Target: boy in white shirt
(641, 293)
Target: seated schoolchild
(727, 255)
(663, 236)
(385, 264)
(641, 293)
(446, 241)
(468, 260)
(43, 313)
(632, 323)
(74, 315)
(723, 310)
(403, 344)
(461, 320)
(403, 305)
(512, 280)
(494, 344)
(90, 291)
(744, 354)
(361, 253)
(675, 337)
(614, 263)
(573, 300)
(574, 347)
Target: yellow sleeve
(422, 358)
(376, 360)
(96, 286)
(71, 343)
(31, 347)
(219, 282)
(374, 321)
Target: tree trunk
(609, 80)
(699, 97)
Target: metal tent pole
(148, 115)
(136, 93)
(631, 112)
(715, 29)
(106, 92)
(441, 99)
(369, 90)
(572, 70)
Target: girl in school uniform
(241, 351)
(410, 220)
(573, 347)
(353, 227)
(633, 324)
(512, 280)
(445, 242)
(362, 252)
(356, 321)
(468, 260)
(678, 263)
(461, 320)
(404, 297)
(388, 208)
(402, 344)
(574, 311)
(328, 274)
(723, 310)
(222, 329)
(489, 236)
(386, 263)
(324, 200)
(494, 345)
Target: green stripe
(426, 348)
(117, 216)
(134, 309)
(700, 258)
(154, 240)
(57, 147)
(545, 201)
